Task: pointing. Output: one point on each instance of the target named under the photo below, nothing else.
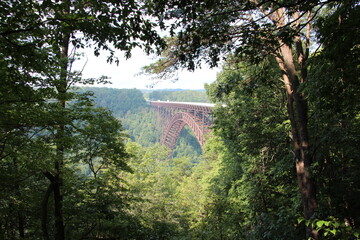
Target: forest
(282, 160)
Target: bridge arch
(176, 124)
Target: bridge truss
(175, 115)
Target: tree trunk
(61, 87)
(20, 214)
(21, 223)
(297, 110)
(59, 223)
(44, 212)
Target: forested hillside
(119, 101)
(282, 160)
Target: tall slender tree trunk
(297, 109)
(20, 213)
(61, 87)
(44, 211)
(57, 186)
(21, 223)
(59, 161)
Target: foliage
(96, 193)
(332, 88)
(96, 146)
(187, 145)
(47, 130)
(251, 32)
(206, 31)
(257, 171)
(332, 228)
(143, 126)
(154, 185)
(68, 174)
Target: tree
(93, 188)
(154, 190)
(36, 42)
(255, 188)
(102, 23)
(208, 30)
(332, 88)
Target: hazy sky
(125, 75)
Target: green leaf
(300, 220)
(320, 223)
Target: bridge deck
(188, 103)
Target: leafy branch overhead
(207, 31)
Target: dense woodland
(282, 160)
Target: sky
(125, 75)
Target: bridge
(175, 115)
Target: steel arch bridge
(175, 115)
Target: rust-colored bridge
(175, 115)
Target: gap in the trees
(187, 145)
